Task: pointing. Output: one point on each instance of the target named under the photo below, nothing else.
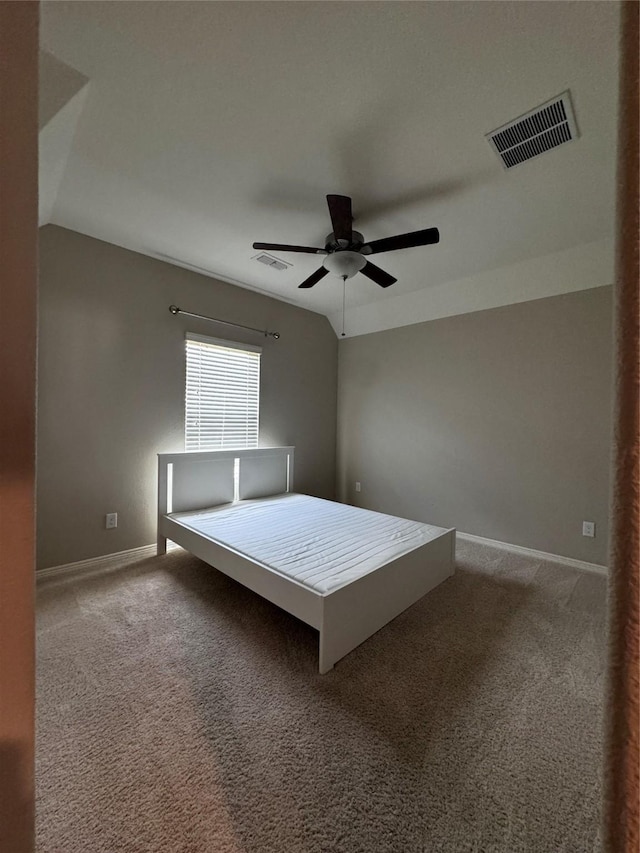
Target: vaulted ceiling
(189, 130)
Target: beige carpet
(179, 712)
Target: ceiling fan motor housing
(333, 245)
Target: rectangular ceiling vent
(540, 130)
(270, 261)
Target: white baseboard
(537, 555)
(109, 562)
(105, 563)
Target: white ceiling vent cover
(540, 130)
(270, 261)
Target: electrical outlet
(357, 487)
(589, 528)
(111, 520)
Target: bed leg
(162, 545)
(325, 663)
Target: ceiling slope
(62, 94)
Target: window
(222, 398)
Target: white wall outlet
(589, 528)
(357, 486)
(111, 520)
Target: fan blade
(341, 216)
(376, 274)
(280, 247)
(402, 241)
(314, 278)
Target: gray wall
(496, 423)
(111, 387)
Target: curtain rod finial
(174, 309)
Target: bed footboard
(355, 612)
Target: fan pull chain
(344, 296)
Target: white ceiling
(206, 126)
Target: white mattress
(321, 544)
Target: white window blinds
(222, 397)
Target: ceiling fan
(345, 250)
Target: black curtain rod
(175, 310)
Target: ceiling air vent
(540, 130)
(270, 261)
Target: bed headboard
(205, 478)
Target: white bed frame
(345, 617)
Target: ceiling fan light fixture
(344, 264)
